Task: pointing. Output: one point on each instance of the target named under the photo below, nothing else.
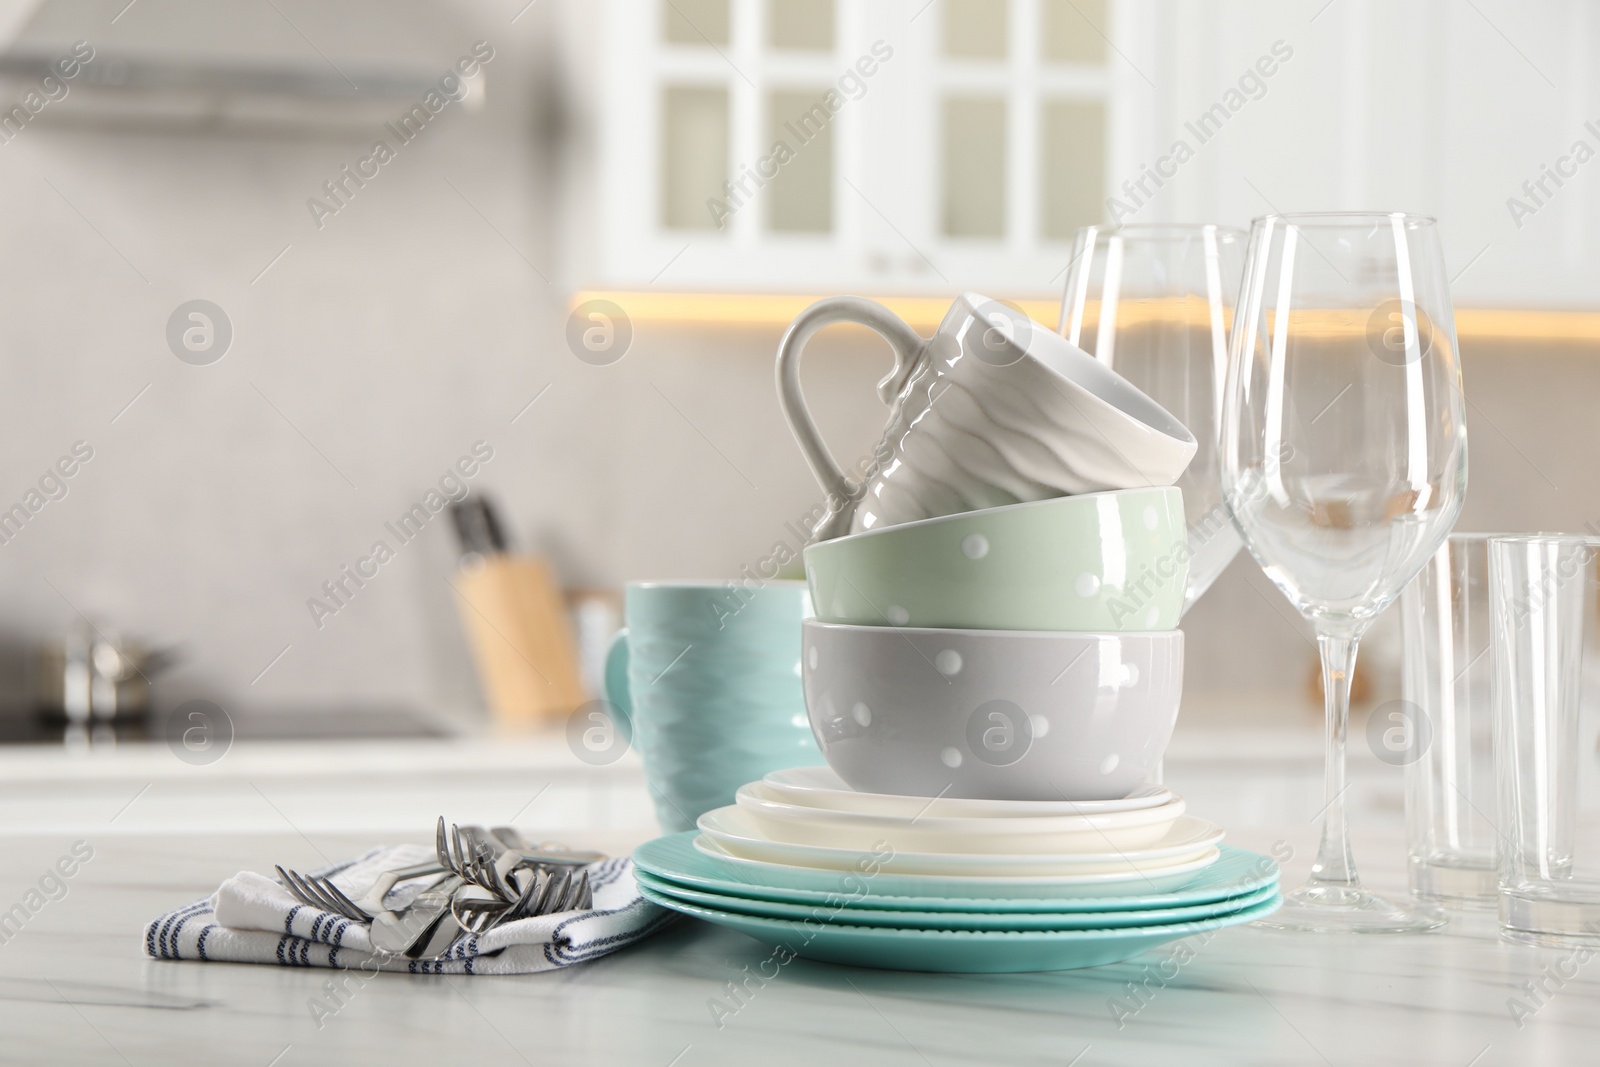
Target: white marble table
(75, 986)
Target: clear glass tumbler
(1444, 730)
(1545, 602)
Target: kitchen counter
(76, 987)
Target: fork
(568, 894)
(318, 891)
(477, 914)
(555, 893)
(468, 856)
(457, 848)
(409, 931)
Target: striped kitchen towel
(252, 919)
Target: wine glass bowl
(1154, 303)
(1343, 460)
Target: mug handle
(908, 347)
(618, 692)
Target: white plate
(1147, 880)
(1115, 831)
(820, 787)
(738, 834)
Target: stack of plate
(802, 862)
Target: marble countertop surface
(75, 986)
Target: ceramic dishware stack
(996, 604)
(1004, 654)
(806, 864)
(993, 673)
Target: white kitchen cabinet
(996, 127)
(875, 145)
(1425, 106)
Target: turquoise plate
(958, 951)
(952, 920)
(675, 860)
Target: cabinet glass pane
(1072, 147)
(800, 140)
(975, 29)
(694, 155)
(973, 166)
(1071, 31)
(695, 21)
(804, 25)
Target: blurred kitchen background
(384, 326)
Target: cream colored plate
(820, 787)
(738, 834)
(1027, 834)
(1054, 886)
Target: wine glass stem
(1335, 865)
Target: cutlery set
(480, 879)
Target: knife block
(516, 621)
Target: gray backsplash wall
(416, 322)
(372, 353)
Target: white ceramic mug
(993, 409)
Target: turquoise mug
(708, 675)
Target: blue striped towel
(253, 919)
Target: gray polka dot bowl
(1104, 562)
(991, 714)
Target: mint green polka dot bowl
(1102, 562)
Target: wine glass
(1154, 302)
(1344, 463)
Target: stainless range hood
(201, 64)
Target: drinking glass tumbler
(1545, 601)
(1445, 727)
